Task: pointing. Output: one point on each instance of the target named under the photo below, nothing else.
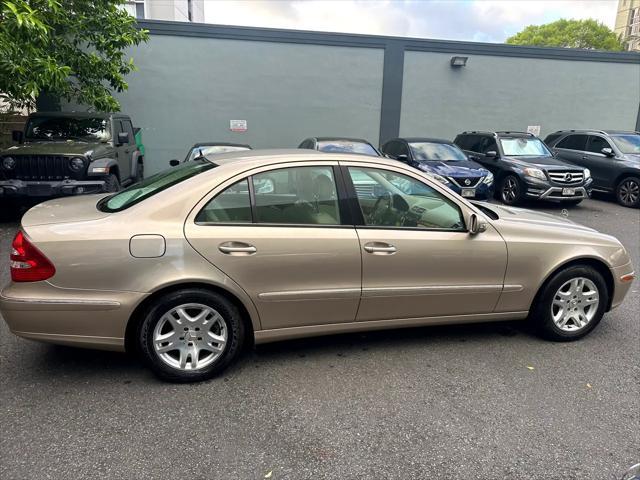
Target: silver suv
(612, 156)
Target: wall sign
(238, 125)
(534, 130)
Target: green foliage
(73, 49)
(588, 34)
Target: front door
(288, 248)
(418, 260)
(601, 165)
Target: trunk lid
(65, 210)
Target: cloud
(477, 20)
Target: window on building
(135, 8)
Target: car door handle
(237, 248)
(380, 248)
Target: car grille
(462, 181)
(566, 178)
(40, 167)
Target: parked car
(445, 162)
(524, 168)
(70, 154)
(612, 156)
(210, 148)
(194, 262)
(340, 145)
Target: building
(628, 23)
(175, 10)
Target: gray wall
(503, 93)
(187, 89)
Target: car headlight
(488, 179)
(76, 164)
(9, 163)
(437, 177)
(535, 173)
(587, 173)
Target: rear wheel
(511, 190)
(191, 335)
(571, 304)
(628, 192)
(112, 184)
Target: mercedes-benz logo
(567, 177)
(467, 181)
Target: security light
(459, 61)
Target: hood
(453, 168)
(633, 157)
(65, 210)
(522, 215)
(551, 163)
(94, 149)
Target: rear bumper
(21, 188)
(93, 319)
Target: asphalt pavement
(487, 401)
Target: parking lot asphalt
(487, 401)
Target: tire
(511, 190)
(628, 192)
(139, 172)
(111, 183)
(547, 313)
(163, 328)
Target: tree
(71, 49)
(588, 34)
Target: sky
(473, 20)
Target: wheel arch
(136, 317)
(596, 263)
(624, 174)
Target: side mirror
(17, 136)
(174, 162)
(123, 138)
(475, 225)
(491, 154)
(403, 158)
(607, 152)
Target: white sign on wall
(238, 125)
(534, 130)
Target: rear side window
(552, 138)
(233, 205)
(573, 142)
(596, 144)
(152, 185)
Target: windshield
(346, 146)
(442, 152)
(152, 185)
(627, 143)
(68, 128)
(524, 147)
(209, 149)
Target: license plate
(469, 192)
(569, 191)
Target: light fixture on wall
(459, 61)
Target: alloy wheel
(190, 336)
(629, 192)
(510, 190)
(575, 304)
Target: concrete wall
(506, 93)
(187, 89)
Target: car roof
(346, 139)
(220, 144)
(606, 132)
(422, 139)
(77, 114)
(501, 133)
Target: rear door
(572, 148)
(282, 236)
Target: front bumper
(620, 286)
(21, 188)
(545, 190)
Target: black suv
(612, 156)
(524, 167)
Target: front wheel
(191, 335)
(628, 192)
(571, 304)
(111, 183)
(511, 191)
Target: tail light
(28, 264)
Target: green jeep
(62, 154)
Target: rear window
(138, 192)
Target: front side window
(233, 205)
(68, 128)
(390, 199)
(573, 142)
(442, 152)
(152, 185)
(596, 144)
(628, 143)
(346, 146)
(524, 147)
(297, 195)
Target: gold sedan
(192, 263)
